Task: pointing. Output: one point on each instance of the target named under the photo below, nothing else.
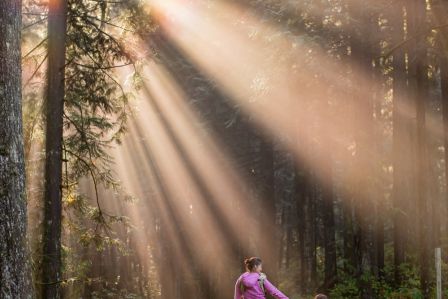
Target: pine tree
(54, 106)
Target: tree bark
(15, 278)
(329, 224)
(418, 81)
(440, 11)
(301, 193)
(269, 246)
(51, 263)
(401, 149)
(363, 204)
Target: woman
(253, 284)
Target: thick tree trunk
(51, 264)
(15, 277)
(269, 236)
(363, 204)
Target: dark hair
(252, 262)
(321, 296)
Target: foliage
(349, 286)
(96, 108)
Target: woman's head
(253, 264)
(321, 296)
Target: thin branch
(108, 23)
(402, 43)
(55, 282)
(34, 14)
(103, 68)
(112, 2)
(92, 174)
(34, 23)
(107, 34)
(106, 73)
(35, 71)
(35, 48)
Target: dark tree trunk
(15, 278)
(288, 238)
(301, 192)
(401, 148)
(51, 263)
(312, 234)
(441, 12)
(329, 224)
(269, 236)
(418, 81)
(364, 209)
(379, 188)
(348, 237)
(444, 79)
(379, 240)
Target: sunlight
(197, 133)
(278, 107)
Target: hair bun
(252, 262)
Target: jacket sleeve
(238, 293)
(269, 287)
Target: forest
(148, 147)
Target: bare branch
(35, 71)
(34, 23)
(35, 48)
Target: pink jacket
(252, 289)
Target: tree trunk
(269, 236)
(312, 234)
(348, 237)
(364, 212)
(444, 79)
(329, 224)
(15, 278)
(301, 193)
(379, 240)
(418, 81)
(51, 264)
(401, 149)
(441, 10)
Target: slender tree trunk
(329, 224)
(15, 277)
(348, 237)
(288, 238)
(401, 148)
(51, 264)
(379, 188)
(379, 240)
(301, 192)
(444, 79)
(312, 234)
(418, 81)
(440, 11)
